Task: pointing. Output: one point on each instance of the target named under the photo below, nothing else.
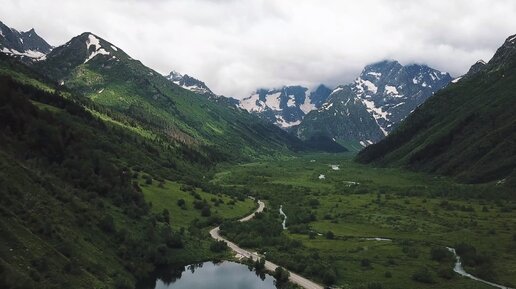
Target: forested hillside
(467, 130)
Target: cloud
(238, 46)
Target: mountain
(27, 46)
(73, 176)
(190, 83)
(370, 107)
(467, 130)
(345, 118)
(286, 106)
(109, 77)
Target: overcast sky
(238, 46)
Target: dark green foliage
(329, 277)
(218, 246)
(441, 254)
(182, 204)
(466, 130)
(423, 275)
(64, 180)
(374, 285)
(206, 212)
(329, 235)
(446, 273)
(259, 265)
(281, 275)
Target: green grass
(166, 197)
(404, 206)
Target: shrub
(206, 212)
(330, 235)
(446, 273)
(388, 274)
(440, 254)
(181, 203)
(281, 275)
(329, 277)
(365, 263)
(148, 180)
(218, 246)
(423, 275)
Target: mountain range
(467, 130)
(27, 46)
(286, 106)
(356, 114)
(87, 133)
(190, 83)
(369, 108)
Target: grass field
(416, 211)
(166, 196)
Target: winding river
(460, 270)
(284, 223)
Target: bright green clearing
(415, 211)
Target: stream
(284, 223)
(460, 270)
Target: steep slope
(73, 176)
(190, 83)
(467, 130)
(388, 92)
(109, 77)
(287, 106)
(27, 46)
(344, 117)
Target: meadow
(336, 206)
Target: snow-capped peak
(27, 46)
(285, 106)
(190, 83)
(94, 42)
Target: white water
(460, 270)
(284, 223)
(377, 239)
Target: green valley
(114, 175)
(361, 223)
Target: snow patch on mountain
(95, 42)
(273, 101)
(307, 105)
(392, 90)
(285, 106)
(285, 124)
(252, 103)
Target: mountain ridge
(466, 130)
(388, 91)
(27, 46)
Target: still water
(223, 275)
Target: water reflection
(223, 275)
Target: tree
(107, 224)
(423, 275)
(329, 277)
(281, 275)
(206, 212)
(330, 235)
(259, 265)
(440, 254)
(181, 203)
(218, 246)
(166, 216)
(148, 180)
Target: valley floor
(377, 227)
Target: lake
(223, 275)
